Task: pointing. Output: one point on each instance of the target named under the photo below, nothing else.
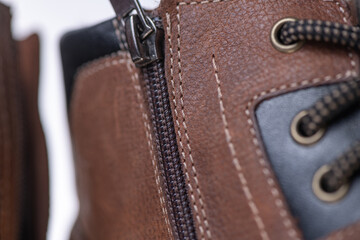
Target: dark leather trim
(84, 45)
(295, 165)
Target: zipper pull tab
(144, 38)
(147, 25)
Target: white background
(51, 19)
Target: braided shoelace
(342, 99)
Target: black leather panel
(295, 165)
(81, 46)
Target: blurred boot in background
(24, 191)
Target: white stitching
(135, 80)
(342, 11)
(287, 223)
(283, 213)
(168, 32)
(216, 1)
(351, 57)
(120, 34)
(117, 32)
(93, 68)
(208, 232)
(97, 68)
(325, 79)
(292, 233)
(235, 160)
(202, 2)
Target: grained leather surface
(84, 45)
(220, 62)
(295, 164)
(117, 176)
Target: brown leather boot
(217, 120)
(23, 162)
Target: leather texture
(118, 180)
(220, 64)
(295, 164)
(84, 45)
(23, 163)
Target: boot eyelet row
(317, 187)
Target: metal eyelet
(300, 138)
(277, 44)
(323, 195)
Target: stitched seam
(202, 2)
(199, 195)
(98, 68)
(120, 34)
(85, 73)
(168, 32)
(135, 80)
(93, 66)
(341, 9)
(235, 160)
(350, 55)
(278, 202)
(117, 32)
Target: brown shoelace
(342, 99)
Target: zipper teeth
(169, 159)
(170, 164)
(158, 148)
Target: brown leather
(23, 162)
(351, 232)
(117, 177)
(122, 7)
(220, 65)
(37, 183)
(10, 133)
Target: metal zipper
(174, 178)
(145, 39)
